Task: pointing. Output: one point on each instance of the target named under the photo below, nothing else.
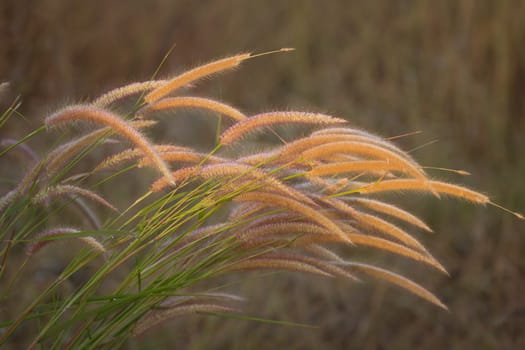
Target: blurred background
(453, 69)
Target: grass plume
(54, 234)
(117, 124)
(271, 200)
(194, 102)
(240, 129)
(113, 96)
(61, 190)
(397, 279)
(135, 153)
(363, 149)
(193, 75)
(425, 186)
(391, 210)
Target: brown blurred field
(452, 69)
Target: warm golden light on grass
(295, 207)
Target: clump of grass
(291, 208)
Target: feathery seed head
(117, 124)
(240, 129)
(193, 75)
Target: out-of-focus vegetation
(452, 69)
